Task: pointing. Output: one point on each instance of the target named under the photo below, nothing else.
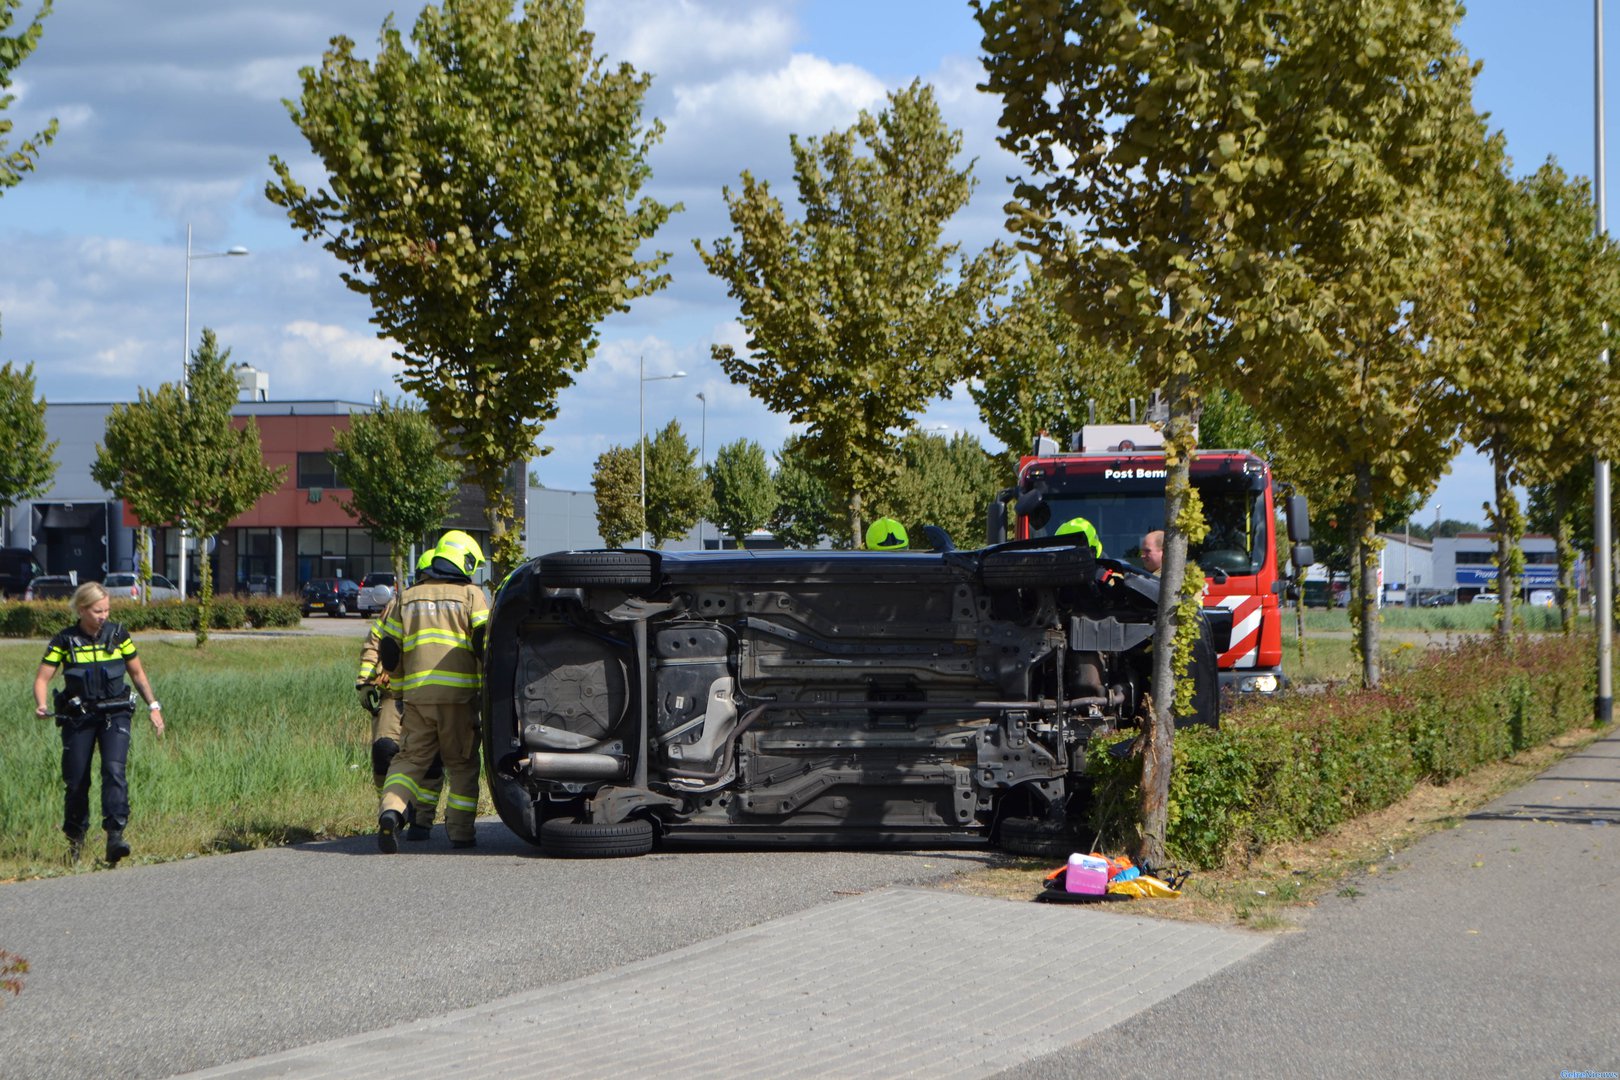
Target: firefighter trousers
(386, 738)
(449, 731)
(82, 737)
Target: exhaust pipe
(577, 766)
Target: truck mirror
(995, 520)
(1299, 519)
(1030, 500)
(1302, 556)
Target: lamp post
(185, 358)
(703, 463)
(641, 435)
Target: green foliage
(1295, 767)
(1044, 372)
(677, 497)
(26, 461)
(855, 316)
(742, 489)
(944, 483)
(42, 618)
(806, 512)
(484, 199)
(616, 480)
(14, 49)
(402, 479)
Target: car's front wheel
(569, 839)
(339, 610)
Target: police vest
(93, 668)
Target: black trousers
(80, 738)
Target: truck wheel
(1034, 567)
(567, 839)
(1038, 836)
(601, 569)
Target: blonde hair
(87, 595)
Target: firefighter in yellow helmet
(886, 534)
(377, 697)
(1083, 527)
(432, 644)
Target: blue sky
(170, 108)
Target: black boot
(388, 826)
(418, 832)
(117, 846)
(75, 847)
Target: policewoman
(94, 709)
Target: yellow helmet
(425, 561)
(886, 534)
(1083, 527)
(460, 551)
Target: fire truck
(1114, 477)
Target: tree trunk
(205, 590)
(856, 539)
(1367, 600)
(1507, 582)
(143, 562)
(1564, 537)
(1158, 737)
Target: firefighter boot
(75, 847)
(117, 846)
(389, 825)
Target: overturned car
(847, 698)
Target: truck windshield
(1122, 511)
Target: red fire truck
(1114, 478)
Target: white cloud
(669, 40)
(808, 95)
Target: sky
(170, 109)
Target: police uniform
(93, 710)
(433, 628)
(385, 729)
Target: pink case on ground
(1086, 874)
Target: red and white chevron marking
(1244, 650)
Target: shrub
(42, 618)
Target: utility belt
(74, 707)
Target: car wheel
(1038, 836)
(306, 613)
(568, 839)
(1035, 567)
(603, 569)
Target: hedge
(42, 618)
(1294, 767)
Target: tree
(616, 479)
(14, 49)
(740, 485)
(27, 463)
(806, 512)
(1140, 128)
(176, 456)
(1046, 373)
(484, 197)
(947, 483)
(677, 496)
(855, 318)
(402, 480)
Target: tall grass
(265, 745)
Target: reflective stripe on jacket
(93, 668)
(433, 624)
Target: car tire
(307, 613)
(599, 569)
(338, 610)
(1034, 567)
(1038, 836)
(565, 838)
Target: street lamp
(641, 436)
(185, 358)
(703, 463)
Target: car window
(161, 582)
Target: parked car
(816, 697)
(1543, 598)
(1442, 599)
(50, 587)
(259, 585)
(127, 586)
(376, 590)
(1485, 598)
(333, 596)
(17, 569)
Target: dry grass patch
(1275, 890)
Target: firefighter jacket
(93, 668)
(433, 626)
(369, 664)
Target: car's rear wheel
(600, 569)
(1039, 836)
(569, 839)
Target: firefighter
(1084, 528)
(94, 709)
(378, 698)
(886, 534)
(431, 643)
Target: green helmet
(460, 551)
(886, 534)
(425, 561)
(1083, 527)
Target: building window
(1476, 558)
(317, 470)
(350, 553)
